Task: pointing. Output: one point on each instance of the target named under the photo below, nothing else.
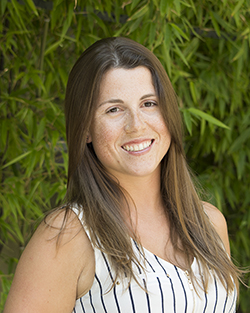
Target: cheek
(103, 138)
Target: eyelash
(152, 103)
(113, 110)
(145, 104)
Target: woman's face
(128, 132)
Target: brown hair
(99, 195)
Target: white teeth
(139, 147)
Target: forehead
(126, 81)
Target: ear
(88, 138)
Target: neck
(145, 194)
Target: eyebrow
(121, 101)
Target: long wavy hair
(100, 196)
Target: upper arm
(219, 222)
(47, 274)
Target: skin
(50, 276)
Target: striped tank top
(169, 290)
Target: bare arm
(47, 276)
(219, 222)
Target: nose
(134, 122)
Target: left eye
(149, 104)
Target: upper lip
(136, 142)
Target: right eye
(113, 110)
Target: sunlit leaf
(181, 32)
(215, 24)
(188, 120)
(142, 11)
(3, 4)
(20, 157)
(32, 6)
(244, 136)
(207, 117)
(237, 7)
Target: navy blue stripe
(225, 304)
(216, 294)
(116, 300)
(82, 305)
(185, 294)
(138, 267)
(106, 262)
(233, 303)
(143, 255)
(114, 289)
(131, 298)
(91, 302)
(205, 302)
(147, 296)
(171, 283)
(162, 299)
(101, 293)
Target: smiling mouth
(138, 147)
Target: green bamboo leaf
(40, 130)
(181, 55)
(32, 6)
(245, 242)
(237, 145)
(238, 54)
(245, 32)
(141, 12)
(4, 131)
(31, 163)
(68, 20)
(152, 33)
(164, 7)
(102, 25)
(237, 7)
(134, 4)
(207, 117)
(186, 4)
(178, 7)
(20, 157)
(193, 91)
(3, 4)
(167, 58)
(241, 164)
(133, 25)
(53, 47)
(38, 82)
(203, 127)
(63, 75)
(15, 5)
(179, 32)
(228, 27)
(188, 120)
(18, 234)
(215, 24)
(120, 30)
(167, 35)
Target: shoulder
(49, 270)
(219, 222)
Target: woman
(133, 235)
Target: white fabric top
(169, 290)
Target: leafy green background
(204, 46)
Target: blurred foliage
(204, 46)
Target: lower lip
(143, 151)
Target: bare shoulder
(219, 222)
(49, 270)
